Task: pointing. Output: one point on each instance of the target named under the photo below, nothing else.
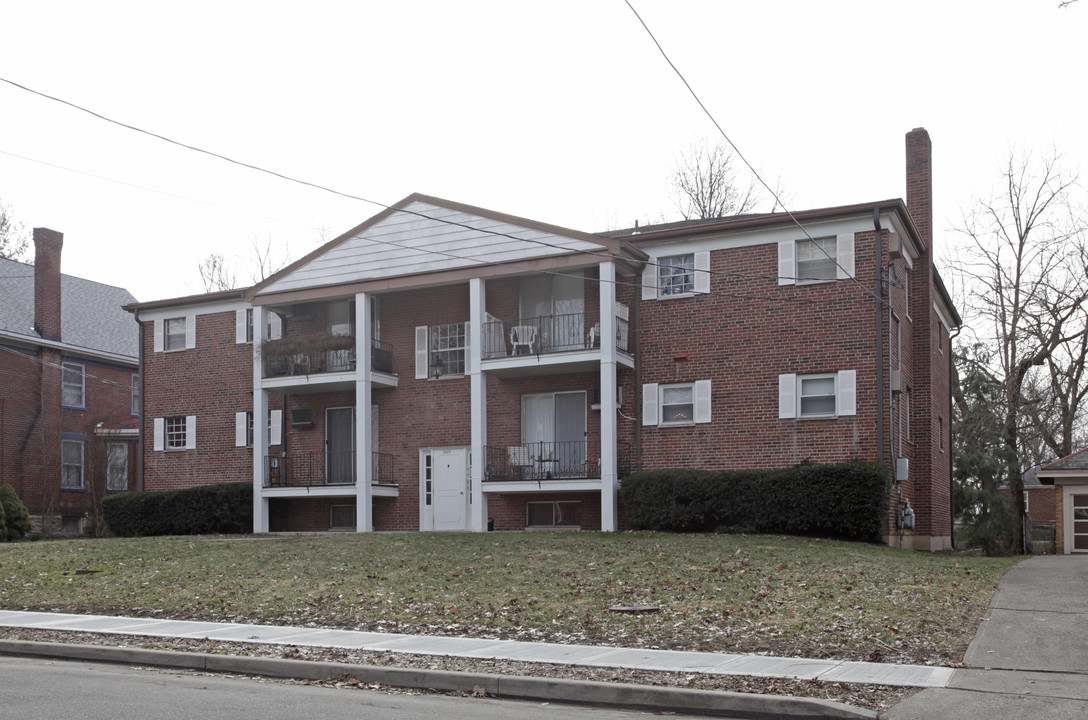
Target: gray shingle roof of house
(1076, 461)
(92, 314)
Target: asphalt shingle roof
(92, 314)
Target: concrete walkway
(1030, 655)
(923, 676)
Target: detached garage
(1069, 476)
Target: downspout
(143, 403)
(951, 475)
(636, 337)
(878, 243)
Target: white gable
(406, 244)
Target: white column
(364, 463)
(609, 431)
(478, 404)
(260, 425)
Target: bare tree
(267, 262)
(1024, 273)
(706, 184)
(14, 244)
(216, 274)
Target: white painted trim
(846, 393)
(190, 432)
(241, 325)
(422, 364)
(190, 332)
(702, 401)
(844, 256)
(787, 262)
(275, 427)
(159, 433)
(702, 271)
(160, 334)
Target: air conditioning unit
(302, 418)
(902, 469)
(895, 245)
(897, 383)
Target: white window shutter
(846, 402)
(844, 251)
(702, 401)
(649, 404)
(702, 272)
(158, 335)
(190, 432)
(190, 332)
(421, 353)
(240, 326)
(275, 427)
(275, 326)
(241, 428)
(787, 396)
(787, 264)
(649, 280)
(160, 432)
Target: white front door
(449, 509)
(1079, 511)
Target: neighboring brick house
(514, 371)
(1069, 480)
(68, 389)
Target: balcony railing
(330, 354)
(561, 460)
(310, 469)
(546, 334)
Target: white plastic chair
(594, 336)
(522, 336)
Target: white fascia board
(749, 238)
(194, 309)
(1078, 477)
(68, 349)
(942, 316)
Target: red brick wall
(212, 381)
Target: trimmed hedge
(14, 517)
(848, 501)
(226, 508)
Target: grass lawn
(782, 595)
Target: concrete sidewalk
(923, 676)
(1030, 655)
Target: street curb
(581, 692)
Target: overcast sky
(559, 111)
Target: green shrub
(226, 508)
(16, 518)
(845, 500)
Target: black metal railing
(562, 460)
(547, 334)
(321, 355)
(310, 469)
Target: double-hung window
(175, 333)
(676, 274)
(813, 260)
(816, 260)
(176, 433)
(72, 384)
(117, 467)
(824, 395)
(71, 464)
(676, 404)
(441, 350)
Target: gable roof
(423, 235)
(92, 314)
(1076, 461)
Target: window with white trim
(71, 464)
(249, 325)
(816, 259)
(72, 376)
(243, 428)
(135, 394)
(117, 467)
(822, 395)
(676, 404)
(676, 274)
(174, 333)
(441, 350)
(176, 433)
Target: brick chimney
(920, 184)
(47, 246)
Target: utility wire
(351, 196)
(743, 159)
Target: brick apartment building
(68, 389)
(447, 367)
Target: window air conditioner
(897, 381)
(902, 469)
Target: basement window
(554, 514)
(342, 517)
